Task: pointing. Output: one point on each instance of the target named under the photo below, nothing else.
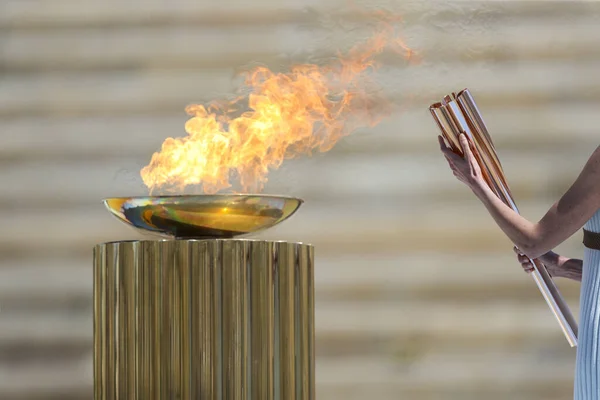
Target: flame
(287, 115)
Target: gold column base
(203, 319)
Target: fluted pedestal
(203, 319)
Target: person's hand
(550, 261)
(466, 169)
(524, 261)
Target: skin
(561, 221)
(557, 265)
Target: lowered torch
(458, 114)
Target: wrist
(479, 187)
(550, 259)
(554, 263)
(554, 271)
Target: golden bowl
(203, 216)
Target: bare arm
(557, 265)
(563, 219)
(570, 268)
(562, 267)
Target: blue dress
(587, 367)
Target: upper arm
(574, 208)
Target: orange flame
(309, 108)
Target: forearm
(518, 229)
(569, 268)
(562, 267)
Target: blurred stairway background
(418, 293)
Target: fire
(286, 115)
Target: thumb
(464, 143)
(468, 150)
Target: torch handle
(551, 294)
(555, 301)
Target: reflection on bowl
(203, 216)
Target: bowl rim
(216, 195)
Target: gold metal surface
(203, 319)
(458, 114)
(203, 216)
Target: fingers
(467, 147)
(469, 151)
(447, 151)
(450, 155)
(457, 163)
(524, 261)
(520, 256)
(464, 143)
(454, 169)
(528, 268)
(442, 142)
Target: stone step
(351, 229)
(518, 130)
(35, 285)
(361, 179)
(551, 390)
(37, 275)
(488, 292)
(22, 351)
(66, 13)
(497, 371)
(400, 348)
(58, 379)
(38, 14)
(284, 36)
(502, 317)
(38, 284)
(358, 391)
(468, 278)
(127, 92)
(69, 336)
(46, 329)
(350, 317)
(447, 370)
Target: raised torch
(458, 113)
